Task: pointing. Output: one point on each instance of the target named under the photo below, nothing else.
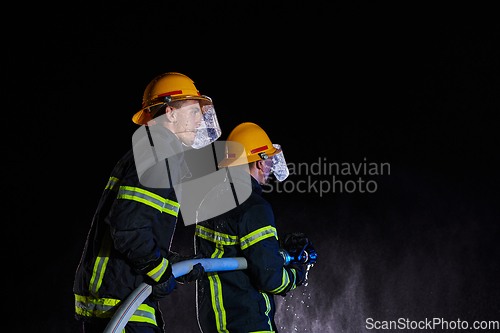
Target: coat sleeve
(134, 214)
(260, 246)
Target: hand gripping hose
(132, 302)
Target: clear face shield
(279, 168)
(209, 129)
(195, 123)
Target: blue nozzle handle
(132, 302)
(304, 257)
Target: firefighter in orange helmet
(130, 236)
(242, 301)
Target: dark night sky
(419, 94)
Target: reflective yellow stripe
(294, 279)
(268, 309)
(215, 236)
(158, 271)
(113, 184)
(216, 293)
(258, 235)
(106, 307)
(100, 265)
(217, 302)
(285, 280)
(149, 198)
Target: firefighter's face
(186, 120)
(264, 171)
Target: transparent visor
(279, 169)
(209, 129)
(196, 124)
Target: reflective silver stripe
(106, 307)
(285, 280)
(113, 184)
(268, 309)
(96, 308)
(257, 236)
(216, 293)
(215, 236)
(149, 198)
(125, 191)
(158, 271)
(168, 207)
(143, 314)
(100, 264)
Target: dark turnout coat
(133, 224)
(241, 301)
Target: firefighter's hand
(196, 273)
(300, 273)
(295, 241)
(161, 290)
(174, 257)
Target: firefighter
(242, 301)
(130, 236)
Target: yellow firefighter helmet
(257, 146)
(166, 88)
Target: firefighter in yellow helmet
(173, 101)
(130, 236)
(242, 301)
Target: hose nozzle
(306, 256)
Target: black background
(392, 85)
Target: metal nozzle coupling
(286, 257)
(300, 258)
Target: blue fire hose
(132, 302)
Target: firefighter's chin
(264, 180)
(187, 138)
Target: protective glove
(174, 257)
(197, 271)
(161, 290)
(300, 273)
(295, 241)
